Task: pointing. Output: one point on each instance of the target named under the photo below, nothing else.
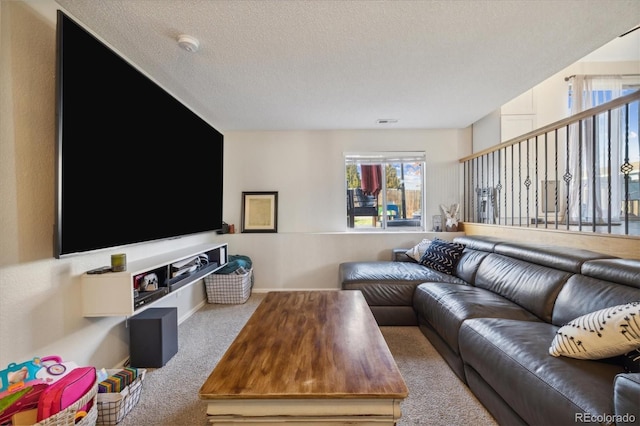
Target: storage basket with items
(232, 283)
(83, 412)
(118, 394)
(47, 392)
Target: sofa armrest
(399, 255)
(626, 395)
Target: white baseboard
(193, 310)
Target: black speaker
(153, 337)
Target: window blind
(384, 157)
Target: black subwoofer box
(153, 337)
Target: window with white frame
(385, 190)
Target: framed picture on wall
(260, 211)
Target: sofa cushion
(388, 283)
(442, 256)
(623, 271)
(548, 255)
(512, 358)
(582, 295)
(532, 286)
(481, 243)
(625, 399)
(469, 263)
(385, 294)
(601, 334)
(445, 306)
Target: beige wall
(40, 311)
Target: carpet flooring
(170, 394)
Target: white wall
(39, 296)
(486, 131)
(544, 104)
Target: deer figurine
(451, 215)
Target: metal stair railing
(527, 181)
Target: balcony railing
(579, 173)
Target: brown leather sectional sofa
(494, 318)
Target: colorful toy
(16, 376)
(53, 369)
(38, 370)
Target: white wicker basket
(229, 288)
(114, 406)
(67, 417)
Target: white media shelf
(112, 293)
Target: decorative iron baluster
(473, 185)
(492, 183)
(472, 212)
(536, 180)
(580, 139)
(567, 175)
(478, 178)
(471, 189)
(513, 216)
(546, 183)
(527, 184)
(481, 159)
(557, 181)
(609, 171)
(467, 203)
(594, 170)
(503, 154)
(498, 189)
(520, 183)
(626, 169)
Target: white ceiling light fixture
(188, 43)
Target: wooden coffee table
(307, 357)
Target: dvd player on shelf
(146, 297)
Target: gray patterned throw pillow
(442, 256)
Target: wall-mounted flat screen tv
(133, 163)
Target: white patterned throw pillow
(602, 334)
(418, 250)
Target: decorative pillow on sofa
(602, 334)
(631, 361)
(418, 250)
(442, 256)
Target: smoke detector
(188, 43)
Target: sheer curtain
(592, 157)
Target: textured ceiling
(292, 64)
